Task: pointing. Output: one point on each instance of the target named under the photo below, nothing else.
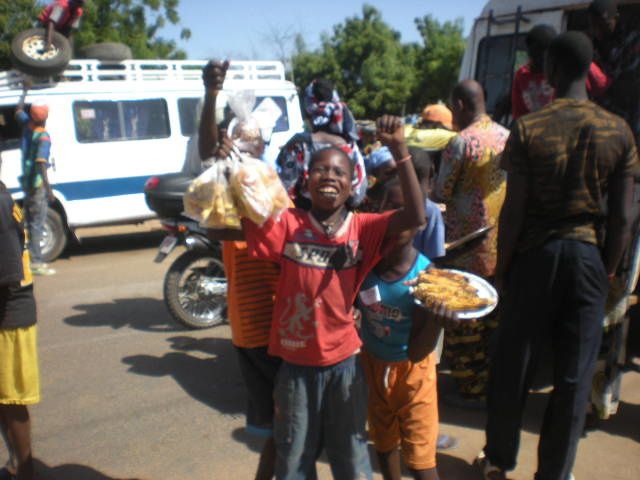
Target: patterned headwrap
(293, 165)
(333, 116)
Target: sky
(239, 29)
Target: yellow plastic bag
(209, 198)
(258, 190)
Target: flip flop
(447, 442)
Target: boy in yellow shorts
(399, 358)
(19, 375)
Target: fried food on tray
(450, 288)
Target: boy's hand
(390, 131)
(213, 75)
(443, 316)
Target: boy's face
(329, 182)
(386, 172)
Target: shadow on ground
(114, 243)
(624, 423)
(71, 472)
(212, 379)
(145, 314)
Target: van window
(494, 68)
(276, 106)
(10, 130)
(105, 121)
(187, 108)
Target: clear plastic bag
(258, 190)
(209, 198)
(244, 129)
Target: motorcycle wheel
(195, 290)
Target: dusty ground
(129, 394)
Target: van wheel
(28, 54)
(54, 238)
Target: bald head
(468, 102)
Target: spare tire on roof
(107, 51)
(28, 55)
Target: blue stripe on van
(90, 189)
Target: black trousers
(555, 294)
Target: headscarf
(333, 116)
(39, 113)
(438, 113)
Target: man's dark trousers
(555, 294)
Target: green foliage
(439, 59)
(367, 62)
(375, 72)
(135, 23)
(15, 16)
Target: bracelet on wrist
(403, 160)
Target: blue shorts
(320, 408)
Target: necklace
(330, 227)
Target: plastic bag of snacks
(209, 198)
(258, 190)
(244, 129)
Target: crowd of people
(331, 345)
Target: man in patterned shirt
(563, 228)
(472, 185)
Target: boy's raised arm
(213, 76)
(391, 134)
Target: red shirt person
(65, 15)
(531, 91)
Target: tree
(282, 40)
(15, 16)
(364, 57)
(438, 60)
(135, 23)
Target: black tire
(176, 295)
(26, 57)
(55, 238)
(109, 52)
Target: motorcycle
(195, 287)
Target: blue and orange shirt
(387, 311)
(36, 147)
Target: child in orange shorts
(399, 359)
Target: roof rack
(146, 71)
